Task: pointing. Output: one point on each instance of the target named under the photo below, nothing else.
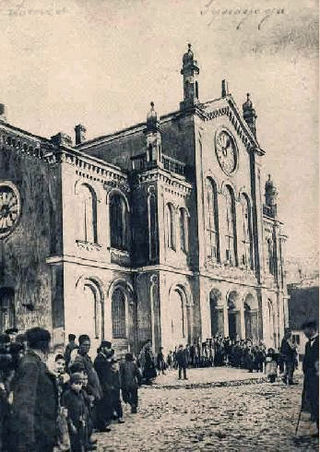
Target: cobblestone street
(246, 416)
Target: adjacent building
(163, 231)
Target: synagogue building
(165, 230)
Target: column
(226, 321)
(241, 330)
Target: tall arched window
(184, 230)
(271, 321)
(270, 257)
(118, 222)
(153, 230)
(231, 228)
(118, 313)
(170, 226)
(88, 214)
(247, 245)
(213, 251)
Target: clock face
(9, 208)
(226, 151)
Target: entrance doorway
(233, 316)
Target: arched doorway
(88, 313)
(250, 317)
(178, 322)
(7, 311)
(216, 313)
(233, 316)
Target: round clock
(10, 207)
(226, 151)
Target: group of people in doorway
(57, 407)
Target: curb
(213, 384)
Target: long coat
(35, 405)
(94, 386)
(311, 379)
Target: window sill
(88, 246)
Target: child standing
(74, 402)
(271, 365)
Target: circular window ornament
(10, 208)
(226, 151)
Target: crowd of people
(57, 407)
(243, 354)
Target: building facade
(162, 231)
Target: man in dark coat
(182, 360)
(35, 398)
(102, 365)
(84, 359)
(288, 355)
(311, 371)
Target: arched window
(88, 214)
(184, 230)
(153, 230)
(271, 268)
(213, 251)
(7, 311)
(247, 245)
(197, 90)
(118, 313)
(170, 226)
(231, 229)
(271, 321)
(118, 222)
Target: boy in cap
(73, 400)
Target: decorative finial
(189, 46)
(152, 118)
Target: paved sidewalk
(208, 377)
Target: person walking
(35, 398)
(310, 398)
(182, 360)
(130, 378)
(288, 355)
(161, 364)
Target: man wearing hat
(35, 398)
(103, 367)
(12, 333)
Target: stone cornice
(170, 182)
